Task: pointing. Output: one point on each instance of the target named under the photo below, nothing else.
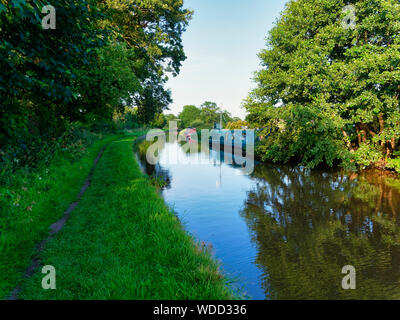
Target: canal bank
(123, 242)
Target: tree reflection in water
(307, 225)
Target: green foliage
(159, 121)
(188, 115)
(153, 29)
(31, 199)
(237, 125)
(366, 154)
(102, 57)
(204, 117)
(171, 117)
(135, 247)
(395, 164)
(107, 84)
(38, 65)
(326, 93)
(158, 182)
(304, 134)
(36, 151)
(209, 113)
(128, 119)
(198, 124)
(168, 118)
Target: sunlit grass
(30, 202)
(122, 242)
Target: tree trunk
(382, 127)
(366, 128)
(388, 152)
(364, 135)
(348, 142)
(358, 134)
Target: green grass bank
(122, 242)
(30, 201)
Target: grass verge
(30, 203)
(122, 242)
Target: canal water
(285, 232)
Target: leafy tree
(107, 84)
(328, 92)
(204, 117)
(38, 66)
(102, 56)
(237, 125)
(159, 121)
(153, 29)
(170, 117)
(188, 115)
(198, 124)
(210, 113)
(226, 117)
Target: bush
(306, 134)
(367, 155)
(38, 150)
(395, 164)
(333, 90)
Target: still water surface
(285, 232)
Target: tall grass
(32, 198)
(122, 242)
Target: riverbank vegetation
(119, 246)
(34, 198)
(328, 92)
(65, 94)
(105, 62)
(203, 117)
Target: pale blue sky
(221, 45)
